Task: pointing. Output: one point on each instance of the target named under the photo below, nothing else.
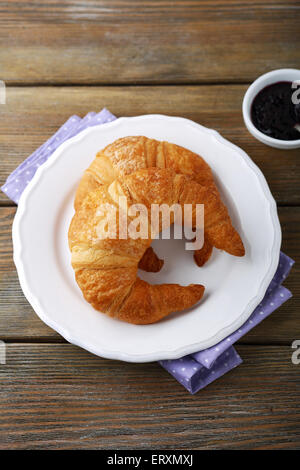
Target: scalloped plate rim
(167, 354)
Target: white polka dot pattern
(276, 294)
(194, 376)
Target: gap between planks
(16, 84)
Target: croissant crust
(105, 268)
(129, 154)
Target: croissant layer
(106, 268)
(129, 154)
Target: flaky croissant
(129, 154)
(106, 268)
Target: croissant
(129, 154)
(106, 268)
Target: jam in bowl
(271, 108)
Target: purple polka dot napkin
(197, 370)
(201, 368)
(20, 177)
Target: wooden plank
(61, 397)
(19, 322)
(31, 115)
(118, 41)
(17, 318)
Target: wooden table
(187, 58)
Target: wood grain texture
(126, 41)
(61, 397)
(57, 396)
(33, 114)
(19, 322)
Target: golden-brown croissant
(129, 154)
(106, 268)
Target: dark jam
(274, 113)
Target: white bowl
(289, 75)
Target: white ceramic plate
(234, 286)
